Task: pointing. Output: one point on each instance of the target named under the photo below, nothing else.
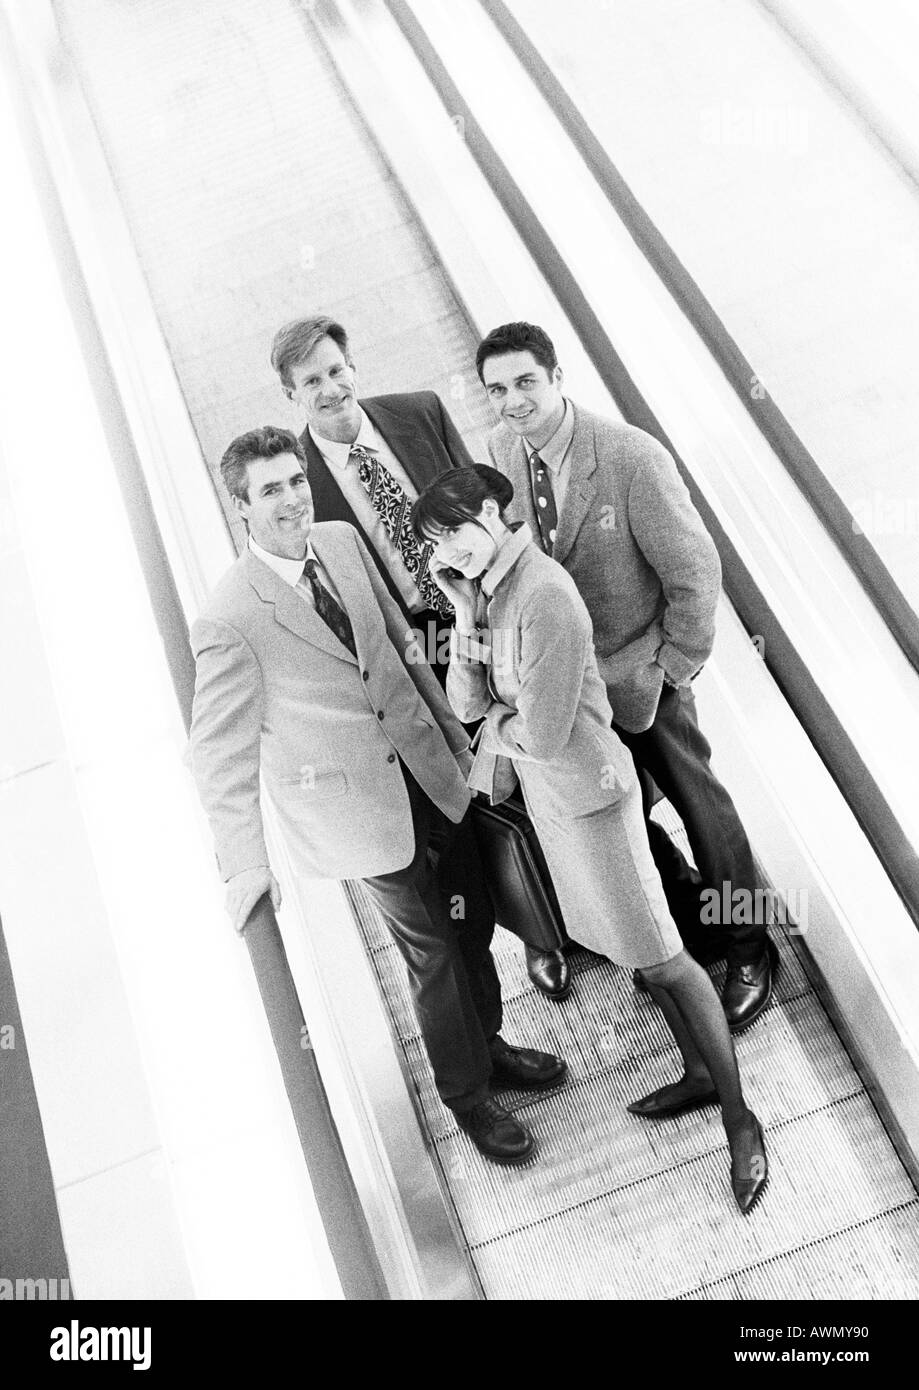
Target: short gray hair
(265, 443)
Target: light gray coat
(637, 549)
(533, 677)
(277, 692)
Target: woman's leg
(693, 1010)
(690, 1005)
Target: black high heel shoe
(747, 1191)
(655, 1107)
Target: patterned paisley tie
(331, 612)
(544, 502)
(394, 508)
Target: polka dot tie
(543, 502)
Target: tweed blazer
(637, 549)
(538, 688)
(423, 438)
(277, 693)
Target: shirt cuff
(678, 668)
(468, 650)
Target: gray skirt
(608, 887)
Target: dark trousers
(432, 631)
(675, 755)
(442, 920)
(433, 634)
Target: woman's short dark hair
(456, 496)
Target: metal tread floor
(613, 1207)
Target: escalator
(293, 194)
(34, 1261)
(615, 1208)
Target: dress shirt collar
(337, 454)
(291, 571)
(509, 552)
(553, 452)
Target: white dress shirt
(344, 470)
(291, 571)
(556, 455)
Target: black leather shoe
(549, 971)
(748, 1190)
(496, 1133)
(748, 989)
(524, 1067)
(652, 1107)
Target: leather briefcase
(518, 879)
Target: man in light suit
(303, 676)
(606, 501)
(368, 460)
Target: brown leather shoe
(549, 971)
(748, 989)
(496, 1133)
(523, 1066)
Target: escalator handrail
(811, 707)
(861, 556)
(342, 1215)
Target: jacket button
(366, 675)
(391, 758)
(380, 713)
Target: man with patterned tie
(607, 502)
(303, 679)
(367, 461)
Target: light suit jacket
(638, 552)
(277, 692)
(541, 695)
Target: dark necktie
(331, 612)
(543, 502)
(393, 506)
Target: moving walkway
(269, 158)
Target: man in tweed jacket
(608, 504)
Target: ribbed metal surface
(614, 1208)
(876, 1259)
(674, 1232)
(255, 193)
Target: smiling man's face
(526, 396)
(279, 509)
(323, 385)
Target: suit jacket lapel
(580, 488)
(329, 501)
(513, 463)
(405, 434)
(355, 593)
(291, 611)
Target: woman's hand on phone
(461, 592)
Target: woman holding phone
(522, 660)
